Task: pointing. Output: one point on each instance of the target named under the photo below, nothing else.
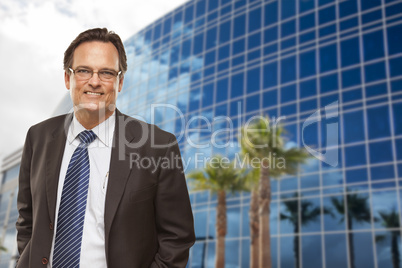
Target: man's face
(94, 95)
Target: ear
(121, 83)
(67, 80)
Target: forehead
(96, 54)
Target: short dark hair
(96, 34)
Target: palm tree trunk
(296, 245)
(221, 229)
(351, 248)
(254, 229)
(264, 211)
(395, 251)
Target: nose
(94, 81)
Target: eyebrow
(102, 69)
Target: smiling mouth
(94, 93)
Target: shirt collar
(104, 131)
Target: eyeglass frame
(92, 73)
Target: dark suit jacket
(148, 218)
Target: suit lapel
(119, 170)
(54, 157)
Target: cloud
(34, 35)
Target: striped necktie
(70, 220)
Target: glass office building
(330, 69)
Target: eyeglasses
(85, 74)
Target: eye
(83, 71)
(106, 73)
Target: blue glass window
(157, 31)
(167, 25)
(224, 52)
(253, 103)
(395, 66)
(309, 135)
(222, 90)
(288, 93)
(398, 145)
(306, 37)
(324, 2)
(394, 39)
(382, 173)
(211, 38)
(356, 175)
(347, 8)
(178, 20)
(270, 75)
(207, 95)
(396, 85)
(240, 3)
(378, 122)
(174, 54)
(288, 9)
(200, 8)
(236, 108)
(194, 99)
(374, 71)
(397, 111)
(350, 52)
(254, 20)
(349, 23)
(288, 28)
(271, 34)
(328, 59)
(256, 54)
(305, 5)
(237, 60)
(327, 14)
(311, 244)
(308, 105)
(352, 95)
(271, 13)
(198, 43)
(239, 26)
(269, 50)
(329, 83)
(270, 98)
(335, 221)
(254, 40)
(307, 64)
(335, 250)
(375, 90)
(380, 152)
(327, 30)
(351, 77)
(370, 4)
(353, 126)
(288, 69)
(355, 155)
(291, 42)
(253, 80)
(189, 13)
(238, 46)
(237, 85)
(210, 58)
(308, 88)
(148, 36)
(212, 5)
(307, 21)
(328, 99)
(186, 49)
(224, 32)
(371, 16)
(373, 45)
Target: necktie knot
(87, 136)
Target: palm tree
(265, 143)
(391, 221)
(357, 210)
(308, 213)
(219, 178)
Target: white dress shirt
(99, 152)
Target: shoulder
(51, 125)
(140, 129)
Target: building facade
(329, 70)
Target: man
(84, 200)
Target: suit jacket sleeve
(24, 199)
(174, 219)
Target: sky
(33, 37)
